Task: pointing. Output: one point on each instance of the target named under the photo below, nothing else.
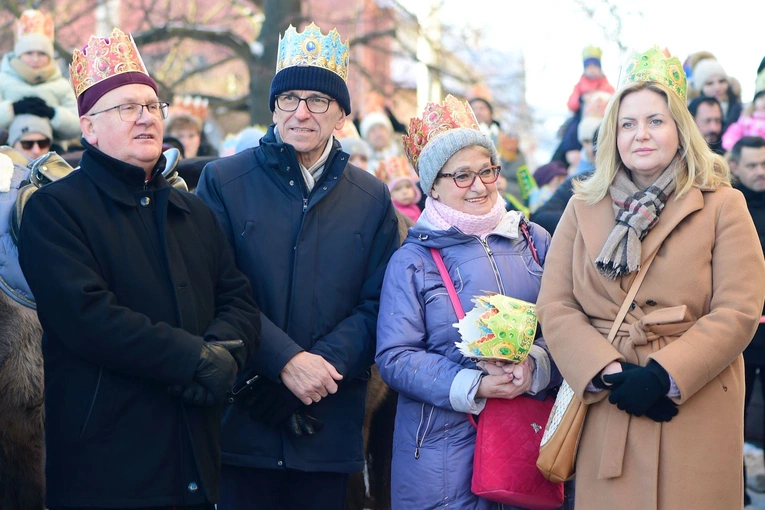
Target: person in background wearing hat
(314, 234)
(711, 80)
(358, 151)
(377, 129)
(31, 81)
(707, 114)
(592, 78)
(665, 394)
(483, 249)
(751, 122)
(146, 318)
(31, 135)
(548, 177)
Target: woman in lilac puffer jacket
(483, 250)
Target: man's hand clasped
(219, 361)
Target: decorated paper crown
(33, 21)
(104, 58)
(498, 328)
(592, 52)
(437, 119)
(312, 48)
(192, 105)
(656, 65)
(395, 167)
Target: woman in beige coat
(664, 428)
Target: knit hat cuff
(89, 97)
(310, 78)
(33, 42)
(437, 152)
(591, 60)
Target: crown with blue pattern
(312, 48)
(310, 60)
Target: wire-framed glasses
(131, 112)
(465, 179)
(291, 102)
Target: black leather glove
(301, 423)
(597, 381)
(271, 403)
(237, 349)
(216, 368)
(639, 389)
(193, 394)
(33, 106)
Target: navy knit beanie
(311, 78)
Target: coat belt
(667, 322)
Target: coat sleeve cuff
(540, 379)
(463, 390)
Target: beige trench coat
(707, 284)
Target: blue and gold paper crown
(655, 65)
(312, 48)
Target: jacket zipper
(417, 439)
(493, 263)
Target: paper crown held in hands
(499, 327)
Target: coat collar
(120, 180)
(597, 221)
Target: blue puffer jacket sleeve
(402, 357)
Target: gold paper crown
(103, 58)
(33, 21)
(312, 48)
(656, 65)
(195, 106)
(393, 168)
(437, 119)
(592, 52)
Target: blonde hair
(180, 121)
(701, 167)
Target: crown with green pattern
(658, 66)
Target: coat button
(145, 201)
(292, 183)
(193, 487)
(651, 302)
(280, 463)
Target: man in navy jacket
(314, 235)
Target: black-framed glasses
(28, 144)
(465, 179)
(291, 102)
(131, 112)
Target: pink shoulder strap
(439, 260)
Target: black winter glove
(216, 368)
(663, 410)
(33, 106)
(597, 381)
(271, 403)
(639, 389)
(193, 394)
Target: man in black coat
(747, 164)
(314, 235)
(145, 316)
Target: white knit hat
(704, 70)
(373, 119)
(33, 42)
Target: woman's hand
(506, 380)
(612, 368)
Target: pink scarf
(444, 217)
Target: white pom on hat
(704, 70)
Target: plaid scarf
(636, 211)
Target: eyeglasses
(315, 104)
(28, 144)
(466, 179)
(131, 112)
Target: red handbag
(506, 452)
(508, 436)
